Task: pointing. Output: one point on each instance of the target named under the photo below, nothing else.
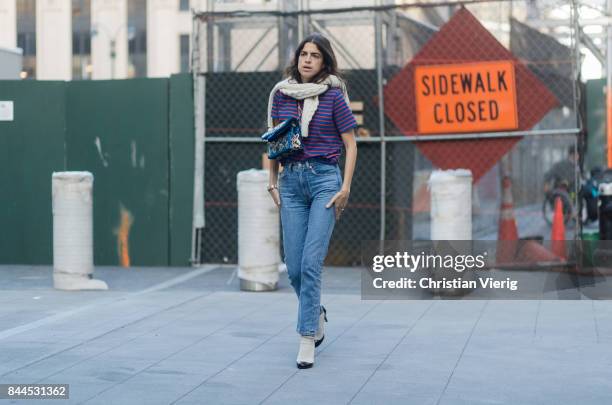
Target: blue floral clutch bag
(284, 139)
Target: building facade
(118, 39)
(98, 39)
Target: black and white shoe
(305, 358)
(320, 335)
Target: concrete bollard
(73, 232)
(451, 204)
(451, 222)
(258, 233)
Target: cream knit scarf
(309, 92)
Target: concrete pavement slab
(164, 335)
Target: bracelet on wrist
(272, 187)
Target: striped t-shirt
(332, 118)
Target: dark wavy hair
(330, 65)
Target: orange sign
(466, 97)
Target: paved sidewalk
(189, 336)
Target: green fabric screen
(135, 136)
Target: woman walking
(310, 191)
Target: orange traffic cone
(532, 252)
(508, 232)
(558, 231)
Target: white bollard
(73, 232)
(451, 204)
(451, 220)
(258, 233)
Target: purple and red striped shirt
(332, 118)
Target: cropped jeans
(305, 188)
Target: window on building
(26, 36)
(184, 52)
(184, 5)
(137, 38)
(81, 39)
(27, 42)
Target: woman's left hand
(339, 201)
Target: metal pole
(195, 67)
(575, 33)
(300, 21)
(199, 123)
(575, 43)
(303, 19)
(307, 20)
(282, 41)
(424, 138)
(381, 123)
(609, 88)
(210, 37)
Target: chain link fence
(238, 56)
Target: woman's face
(310, 62)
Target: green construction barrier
(135, 136)
(181, 141)
(31, 149)
(117, 129)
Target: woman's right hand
(275, 196)
(273, 179)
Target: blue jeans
(305, 188)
